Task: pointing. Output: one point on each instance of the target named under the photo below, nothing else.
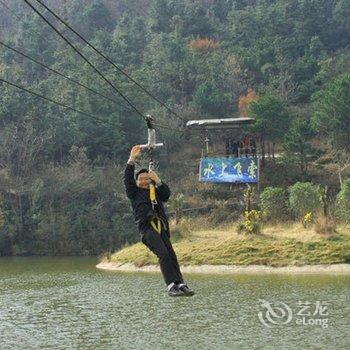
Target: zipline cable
(69, 107)
(76, 82)
(52, 101)
(85, 59)
(109, 60)
(68, 78)
(11, 11)
(21, 18)
(60, 104)
(57, 72)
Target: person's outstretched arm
(129, 172)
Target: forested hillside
(60, 170)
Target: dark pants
(161, 246)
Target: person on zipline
(152, 221)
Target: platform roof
(223, 123)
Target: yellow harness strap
(152, 194)
(157, 223)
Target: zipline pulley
(150, 146)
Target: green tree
(162, 12)
(274, 203)
(304, 197)
(297, 144)
(94, 16)
(129, 41)
(271, 119)
(210, 101)
(331, 115)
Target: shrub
(176, 204)
(251, 222)
(304, 197)
(343, 202)
(324, 225)
(274, 203)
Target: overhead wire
(12, 12)
(85, 59)
(108, 59)
(68, 78)
(52, 101)
(57, 72)
(73, 108)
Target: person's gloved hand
(153, 176)
(134, 153)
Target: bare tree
(20, 147)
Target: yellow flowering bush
(307, 219)
(251, 222)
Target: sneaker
(187, 291)
(174, 291)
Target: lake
(66, 303)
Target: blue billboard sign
(229, 169)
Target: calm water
(66, 303)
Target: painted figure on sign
(209, 170)
(238, 168)
(252, 169)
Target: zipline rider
(152, 221)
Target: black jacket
(140, 201)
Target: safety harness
(157, 222)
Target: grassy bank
(279, 245)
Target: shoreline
(231, 269)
